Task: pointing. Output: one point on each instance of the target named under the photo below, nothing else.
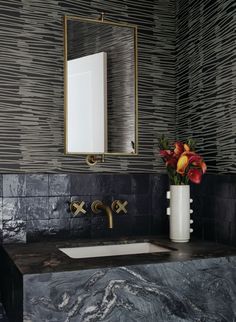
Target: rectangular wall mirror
(100, 87)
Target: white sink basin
(113, 250)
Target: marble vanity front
(191, 282)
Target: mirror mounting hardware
(102, 16)
(92, 160)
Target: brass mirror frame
(120, 24)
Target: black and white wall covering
(206, 108)
(31, 91)
(32, 80)
(186, 52)
(206, 79)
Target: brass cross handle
(76, 207)
(119, 206)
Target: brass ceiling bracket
(92, 160)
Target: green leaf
(163, 143)
(192, 144)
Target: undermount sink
(113, 250)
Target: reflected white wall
(87, 104)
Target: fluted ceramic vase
(179, 213)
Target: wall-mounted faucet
(97, 206)
(118, 206)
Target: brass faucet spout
(108, 212)
(98, 205)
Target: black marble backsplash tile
(214, 208)
(37, 185)
(35, 205)
(3, 317)
(59, 184)
(14, 231)
(14, 185)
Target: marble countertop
(45, 257)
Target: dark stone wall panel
(35, 206)
(214, 208)
(200, 290)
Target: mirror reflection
(100, 87)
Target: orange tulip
(182, 164)
(186, 147)
(203, 167)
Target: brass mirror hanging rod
(101, 16)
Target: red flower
(182, 162)
(195, 175)
(195, 159)
(179, 148)
(166, 154)
(172, 163)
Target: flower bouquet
(182, 162)
(183, 165)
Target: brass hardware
(92, 160)
(77, 207)
(101, 18)
(97, 206)
(119, 206)
(112, 23)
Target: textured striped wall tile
(206, 79)
(31, 91)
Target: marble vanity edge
(49, 259)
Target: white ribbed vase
(179, 212)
